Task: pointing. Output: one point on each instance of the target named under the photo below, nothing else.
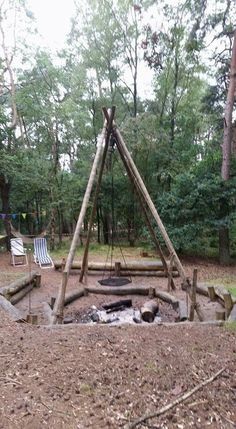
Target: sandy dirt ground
(102, 376)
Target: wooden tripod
(145, 202)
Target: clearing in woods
(103, 376)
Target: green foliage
(174, 138)
(192, 210)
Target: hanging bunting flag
(3, 215)
(24, 215)
(14, 216)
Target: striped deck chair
(41, 256)
(18, 252)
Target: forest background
(182, 136)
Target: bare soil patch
(99, 376)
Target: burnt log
(149, 310)
(120, 303)
(112, 310)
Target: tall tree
(13, 17)
(227, 148)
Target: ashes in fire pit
(122, 312)
(118, 317)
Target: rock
(67, 320)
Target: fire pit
(124, 312)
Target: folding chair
(41, 256)
(18, 252)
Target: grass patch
(231, 326)
(228, 282)
(232, 290)
(102, 251)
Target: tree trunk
(106, 223)
(52, 228)
(98, 225)
(227, 141)
(5, 188)
(224, 243)
(224, 246)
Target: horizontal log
(14, 299)
(201, 288)
(129, 266)
(17, 285)
(137, 273)
(110, 290)
(167, 297)
(71, 296)
(12, 312)
(179, 325)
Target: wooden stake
(170, 274)
(193, 296)
(145, 212)
(228, 304)
(211, 293)
(117, 269)
(94, 208)
(220, 315)
(32, 319)
(147, 199)
(38, 280)
(59, 304)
